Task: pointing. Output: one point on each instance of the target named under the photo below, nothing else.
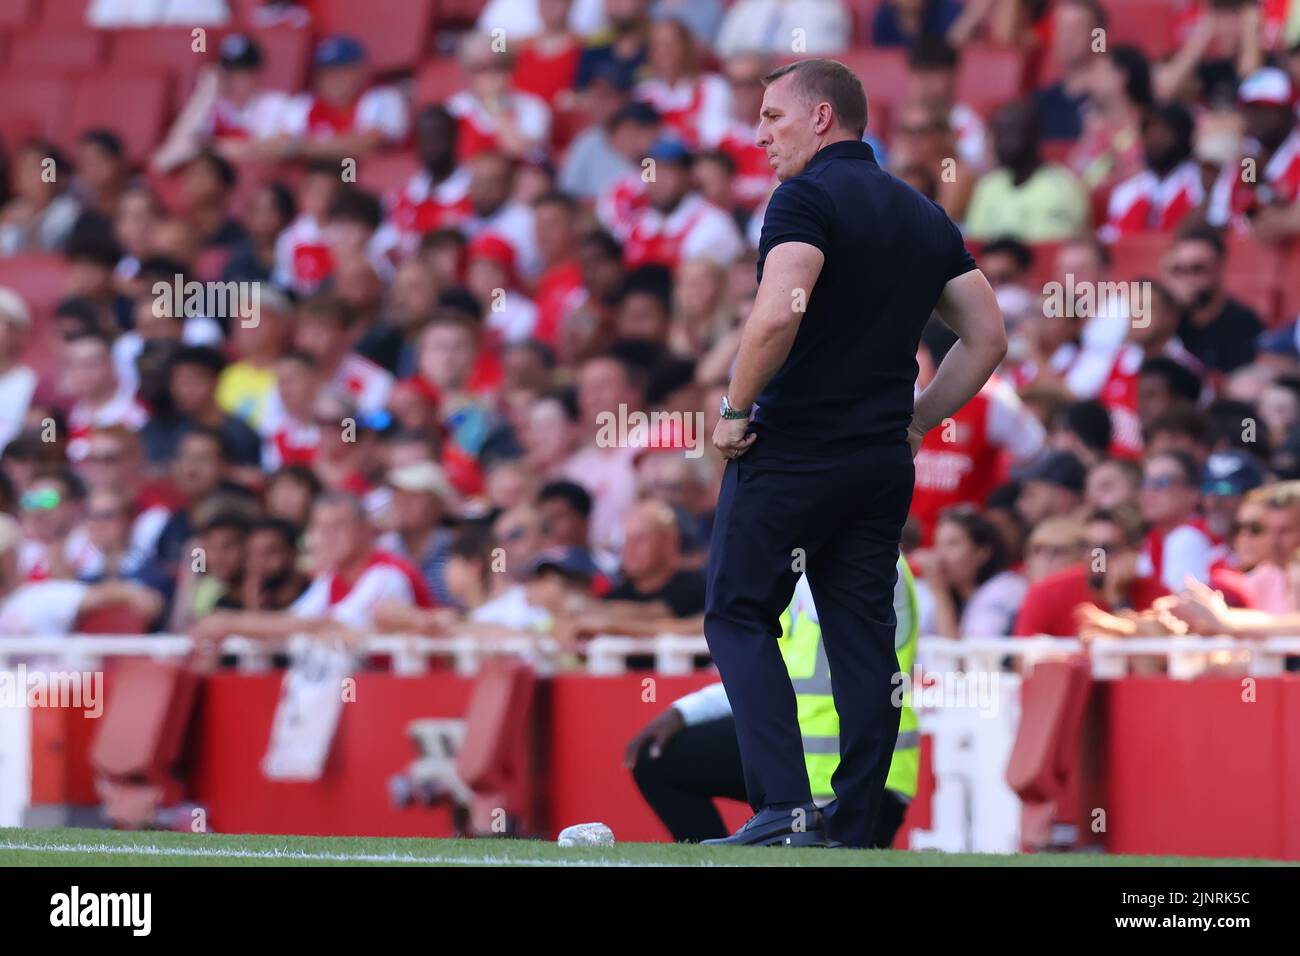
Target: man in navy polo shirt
(820, 430)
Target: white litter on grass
(290, 856)
(586, 834)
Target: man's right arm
(968, 307)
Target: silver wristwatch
(729, 413)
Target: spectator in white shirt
(784, 26)
(17, 381)
(52, 607)
(152, 13)
(352, 578)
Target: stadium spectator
(905, 22)
(42, 212)
(17, 381)
(932, 79)
(693, 104)
(548, 59)
(1060, 106)
(492, 115)
(352, 578)
(55, 543)
(770, 26)
(1054, 545)
(423, 501)
(922, 136)
(1225, 481)
(650, 565)
(100, 399)
(1215, 327)
(523, 18)
(229, 109)
(1161, 196)
(1109, 149)
(610, 147)
(342, 117)
(271, 579)
(960, 462)
(677, 223)
(970, 589)
(1111, 483)
(52, 607)
(437, 195)
(1266, 203)
(1108, 578)
(1052, 485)
(102, 176)
(1024, 197)
(621, 47)
(1178, 544)
(193, 374)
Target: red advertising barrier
(1207, 767)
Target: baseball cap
(1057, 468)
(1231, 473)
(569, 561)
(339, 50)
(240, 52)
(669, 149)
(1268, 85)
(427, 477)
(643, 114)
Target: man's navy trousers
(840, 520)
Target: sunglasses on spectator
(45, 499)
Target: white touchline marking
(149, 849)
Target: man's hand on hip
(731, 438)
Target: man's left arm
(789, 274)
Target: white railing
(1184, 657)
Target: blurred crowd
(400, 420)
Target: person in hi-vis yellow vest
(688, 755)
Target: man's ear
(825, 117)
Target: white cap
(427, 477)
(1267, 85)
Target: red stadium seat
(1254, 274)
(81, 50)
(17, 13)
(286, 52)
(1139, 256)
(496, 757)
(33, 106)
(459, 13)
(437, 79)
(861, 13)
(64, 14)
(170, 49)
(140, 737)
(395, 33)
(39, 277)
(990, 74)
(1052, 703)
(134, 107)
(883, 73)
(1145, 24)
(113, 619)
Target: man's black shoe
(798, 826)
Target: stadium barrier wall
(1204, 762)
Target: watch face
(724, 406)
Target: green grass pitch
(78, 848)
